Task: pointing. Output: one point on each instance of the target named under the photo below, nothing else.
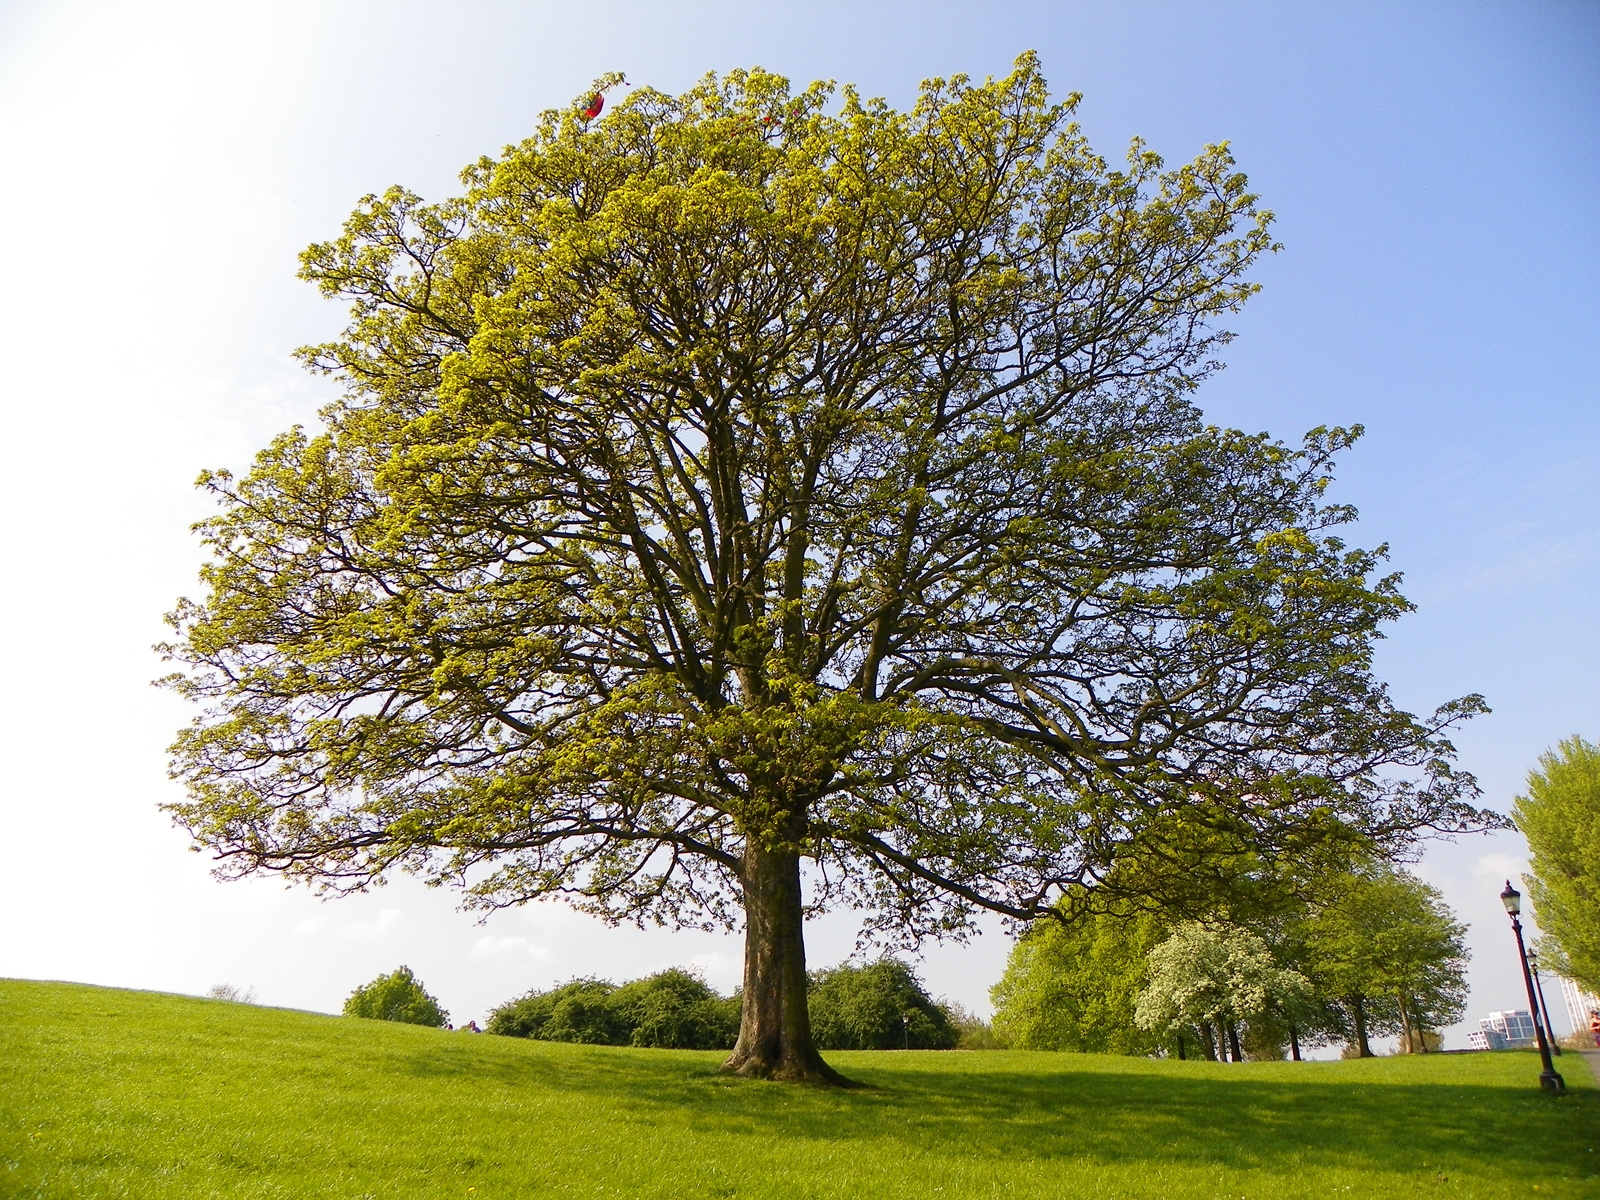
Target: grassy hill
(133, 1094)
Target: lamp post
(1544, 1005)
(1549, 1080)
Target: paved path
(1593, 1057)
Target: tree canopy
(743, 480)
(671, 1009)
(1074, 986)
(398, 996)
(1216, 978)
(877, 1006)
(1362, 951)
(1560, 817)
(1387, 954)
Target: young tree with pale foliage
(732, 483)
(1215, 978)
(1560, 817)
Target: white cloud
(721, 971)
(386, 920)
(1500, 866)
(310, 925)
(489, 946)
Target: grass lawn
(118, 1093)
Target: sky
(1434, 168)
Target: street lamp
(1544, 1005)
(1549, 1080)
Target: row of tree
(878, 1006)
(1344, 957)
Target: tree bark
(774, 1023)
(1358, 1006)
(1294, 1044)
(1422, 1030)
(1407, 1042)
(1233, 1042)
(1180, 1048)
(1208, 1041)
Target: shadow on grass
(1479, 1116)
(1240, 1121)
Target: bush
(676, 1010)
(881, 1006)
(673, 1009)
(578, 1011)
(397, 997)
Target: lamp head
(1512, 899)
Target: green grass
(118, 1093)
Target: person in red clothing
(1594, 1024)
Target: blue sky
(1435, 171)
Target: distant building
(1579, 1003)
(1503, 1031)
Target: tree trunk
(1180, 1048)
(1208, 1041)
(1358, 1005)
(1422, 1030)
(1294, 1043)
(1407, 1042)
(1233, 1042)
(774, 1024)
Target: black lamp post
(1549, 1080)
(1544, 1005)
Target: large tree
(1560, 816)
(737, 482)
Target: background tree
(1074, 987)
(577, 1011)
(678, 1011)
(1214, 978)
(728, 483)
(972, 1031)
(396, 997)
(1560, 817)
(1388, 954)
(672, 1009)
(879, 1006)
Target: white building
(1580, 1003)
(1504, 1030)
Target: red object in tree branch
(596, 103)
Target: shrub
(227, 991)
(880, 1006)
(672, 1009)
(577, 1011)
(396, 997)
(677, 1010)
